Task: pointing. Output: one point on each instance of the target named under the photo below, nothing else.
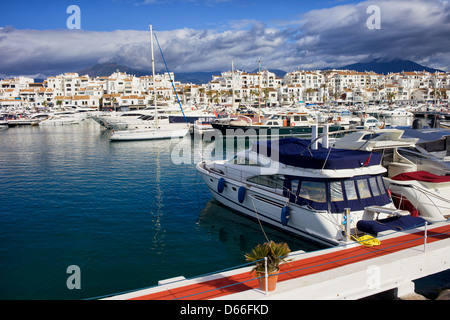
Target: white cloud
(416, 30)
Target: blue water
(122, 212)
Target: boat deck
(325, 265)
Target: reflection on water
(240, 234)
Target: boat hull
(151, 134)
(236, 130)
(267, 208)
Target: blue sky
(110, 15)
(207, 35)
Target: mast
(259, 99)
(232, 84)
(153, 72)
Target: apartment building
(121, 91)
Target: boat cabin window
(328, 194)
(336, 193)
(350, 190)
(363, 188)
(313, 190)
(381, 186)
(242, 161)
(370, 136)
(275, 181)
(374, 186)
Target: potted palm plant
(276, 254)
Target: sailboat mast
(232, 84)
(153, 73)
(259, 99)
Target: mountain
(195, 77)
(385, 66)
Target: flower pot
(272, 279)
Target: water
(124, 213)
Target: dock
(351, 271)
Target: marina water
(123, 212)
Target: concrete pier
(348, 272)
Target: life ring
(292, 124)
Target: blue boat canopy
(296, 152)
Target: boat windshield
(328, 194)
(242, 160)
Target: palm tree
(308, 92)
(390, 96)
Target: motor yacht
(302, 187)
(417, 180)
(156, 129)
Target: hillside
(384, 66)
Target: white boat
(421, 193)
(369, 122)
(162, 131)
(4, 125)
(59, 119)
(156, 128)
(370, 140)
(201, 127)
(297, 188)
(115, 119)
(397, 112)
(21, 120)
(432, 152)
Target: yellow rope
(367, 241)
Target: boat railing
(421, 234)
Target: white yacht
(397, 112)
(155, 128)
(315, 192)
(159, 129)
(61, 118)
(417, 183)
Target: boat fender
(241, 194)
(221, 185)
(285, 215)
